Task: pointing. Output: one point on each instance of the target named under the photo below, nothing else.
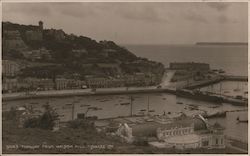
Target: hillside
(62, 54)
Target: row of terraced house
(12, 82)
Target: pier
(203, 83)
(235, 78)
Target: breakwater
(235, 78)
(204, 83)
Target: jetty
(235, 78)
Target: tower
(40, 25)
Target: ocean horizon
(230, 58)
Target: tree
(47, 120)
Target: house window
(222, 141)
(216, 141)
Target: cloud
(142, 13)
(219, 6)
(77, 10)
(226, 19)
(194, 17)
(27, 9)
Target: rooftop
(183, 139)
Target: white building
(10, 68)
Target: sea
(232, 59)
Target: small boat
(143, 110)
(236, 90)
(214, 106)
(221, 71)
(193, 107)
(218, 114)
(151, 111)
(104, 100)
(242, 120)
(179, 103)
(93, 108)
(125, 103)
(84, 105)
(239, 97)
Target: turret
(40, 25)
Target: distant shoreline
(223, 43)
(127, 46)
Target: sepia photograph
(124, 77)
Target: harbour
(175, 82)
(158, 102)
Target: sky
(139, 22)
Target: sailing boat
(241, 120)
(237, 89)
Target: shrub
(81, 123)
(31, 123)
(46, 121)
(10, 115)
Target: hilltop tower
(40, 25)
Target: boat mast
(131, 106)
(148, 104)
(73, 109)
(220, 88)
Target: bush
(31, 123)
(81, 123)
(46, 121)
(10, 115)
(141, 142)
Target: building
(40, 23)
(191, 133)
(10, 68)
(37, 54)
(36, 34)
(189, 70)
(12, 41)
(189, 66)
(40, 84)
(32, 35)
(9, 85)
(102, 82)
(79, 52)
(57, 35)
(63, 83)
(180, 132)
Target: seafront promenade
(82, 92)
(166, 86)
